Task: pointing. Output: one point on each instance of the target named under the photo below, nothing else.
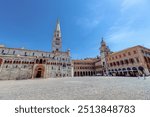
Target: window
(114, 64)
(137, 60)
(142, 51)
(121, 62)
(132, 61)
(129, 53)
(57, 39)
(126, 61)
(146, 60)
(13, 52)
(134, 52)
(103, 63)
(33, 54)
(124, 55)
(118, 63)
(25, 53)
(2, 51)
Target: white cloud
(126, 4)
(128, 38)
(132, 27)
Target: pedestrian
(144, 77)
(139, 76)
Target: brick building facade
(132, 61)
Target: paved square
(85, 88)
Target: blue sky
(31, 23)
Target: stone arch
(141, 69)
(89, 73)
(84, 74)
(37, 61)
(75, 74)
(39, 71)
(81, 73)
(135, 71)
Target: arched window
(2, 51)
(37, 61)
(25, 53)
(126, 61)
(64, 65)
(129, 53)
(41, 61)
(13, 52)
(132, 60)
(146, 60)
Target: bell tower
(104, 52)
(57, 42)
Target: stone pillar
(72, 71)
(33, 71)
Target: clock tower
(104, 52)
(57, 42)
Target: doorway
(39, 72)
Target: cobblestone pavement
(85, 88)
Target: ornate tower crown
(57, 42)
(104, 49)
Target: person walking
(144, 76)
(139, 76)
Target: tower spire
(102, 40)
(58, 25)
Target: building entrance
(39, 72)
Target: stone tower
(57, 42)
(104, 52)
